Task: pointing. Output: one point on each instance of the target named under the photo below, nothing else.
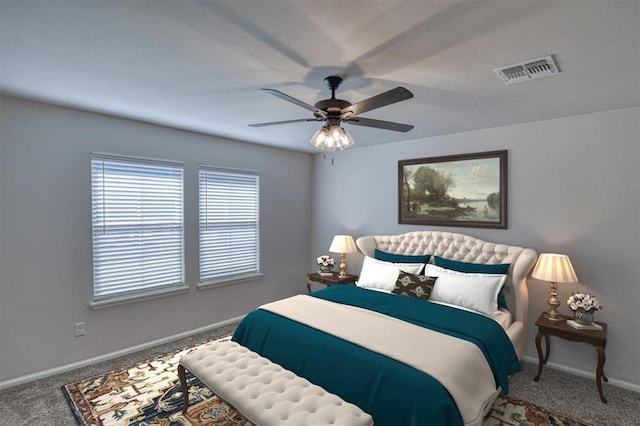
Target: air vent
(528, 70)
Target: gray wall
(45, 229)
(573, 188)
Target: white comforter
(458, 364)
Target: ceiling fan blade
(293, 100)
(379, 124)
(274, 123)
(383, 99)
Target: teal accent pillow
(400, 258)
(477, 268)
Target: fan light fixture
(331, 137)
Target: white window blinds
(137, 226)
(229, 225)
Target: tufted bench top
(263, 391)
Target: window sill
(123, 300)
(236, 279)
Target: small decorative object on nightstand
(333, 279)
(596, 338)
(584, 306)
(326, 265)
(555, 268)
(343, 244)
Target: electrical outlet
(80, 329)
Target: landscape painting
(458, 190)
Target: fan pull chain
(324, 157)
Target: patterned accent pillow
(412, 285)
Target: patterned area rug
(149, 393)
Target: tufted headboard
(468, 249)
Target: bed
(404, 360)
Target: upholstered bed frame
(469, 249)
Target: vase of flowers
(584, 306)
(326, 263)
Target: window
(229, 225)
(137, 227)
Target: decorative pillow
(400, 258)
(383, 275)
(479, 293)
(482, 268)
(411, 285)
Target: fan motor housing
(331, 105)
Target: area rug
(149, 393)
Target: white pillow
(378, 274)
(469, 290)
(435, 271)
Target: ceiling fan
(334, 111)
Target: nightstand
(329, 280)
(597, 338)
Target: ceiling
(199, 65)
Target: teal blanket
(392, 392)
(484, 332)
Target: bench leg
(185, 389)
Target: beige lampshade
(555, 268)
(343, 244)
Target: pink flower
(583, 301)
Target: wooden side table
(330, 280)
(597, 338)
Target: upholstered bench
(264, 392)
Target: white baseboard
(576, 372)
(105, 357)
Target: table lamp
(555, 268)
(343, 244)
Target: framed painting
(457, 190)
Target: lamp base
(343, 266)
(553, 315)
